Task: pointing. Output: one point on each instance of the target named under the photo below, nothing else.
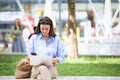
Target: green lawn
(84, 66)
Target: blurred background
(97, 22)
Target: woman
(5, 48)
(18, 44)
(44, 42)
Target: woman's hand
(55, 60)
(14, 37)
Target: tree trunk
(72, 38)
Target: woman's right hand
(14, 37)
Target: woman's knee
(43, 67)
(35, 72)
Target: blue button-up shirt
(54, 47)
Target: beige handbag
(23, 69)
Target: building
(35, 8)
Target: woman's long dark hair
(48, 21)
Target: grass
(8, 63)
(84, 66)
(91, 66)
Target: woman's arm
(30, 46)
(60, 51)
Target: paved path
(69, 78)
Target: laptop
(40, 60)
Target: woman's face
(17, 22)
(45, 30)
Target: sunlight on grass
(97, 60)
(83, 66)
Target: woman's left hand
(55, 60)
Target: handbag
(23, 68)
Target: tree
(73, 54)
